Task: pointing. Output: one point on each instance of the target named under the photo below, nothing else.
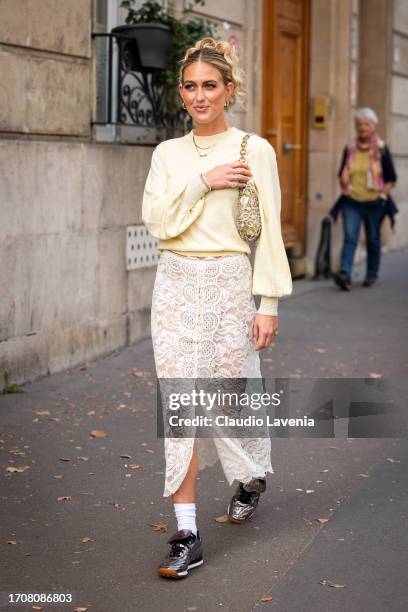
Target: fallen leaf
(125, 456)
(11, 542)
(20, 469)
(80, 609)
(64, 459)
(59, 476)
(36, 607)
(336, 585)
(115, 504)
(86, 539)
(309, 491)
(226, 519)
(222, 519)
(375, 375)
(137, 373)
(134, 466)
(98, 433)
(91, 412)
(83, 458)
(42, 412)
(265, 599)
(160, 527)
(320, 350)
(64, 498)
(391, 460)
(322, 520)
(364, 475)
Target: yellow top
(358, 178)
(178, 210)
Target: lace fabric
(201, 323)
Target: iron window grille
(141, 97)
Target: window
(108, 15)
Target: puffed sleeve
(170, 207)
(271, 273)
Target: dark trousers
(371, 214)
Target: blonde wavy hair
(223, 57)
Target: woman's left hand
(264, 329)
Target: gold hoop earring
(183, 105)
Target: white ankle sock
(186, 516)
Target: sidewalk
(283, 552)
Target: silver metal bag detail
(248, 218)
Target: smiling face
(364, 127)
(204, 92)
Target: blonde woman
(204, 321)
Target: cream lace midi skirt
(201, 323)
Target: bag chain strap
(243, 151)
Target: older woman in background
(366, 175)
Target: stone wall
(359, 57)
(330, 57)
(398, 113)
(65, 200)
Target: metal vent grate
(141, 248)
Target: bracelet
(206, 183)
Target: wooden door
(284, 108)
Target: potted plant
(160, 40)
(146, 37)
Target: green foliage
(149, 12)
(185, 33)
(10, 387)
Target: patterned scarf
(375, 178)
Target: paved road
(284, 552)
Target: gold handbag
(248, 218)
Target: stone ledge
(30, 357)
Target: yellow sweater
(358, 178)
(187, 220)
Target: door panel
(284, 116)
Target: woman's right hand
(228, 176)
(345, 188)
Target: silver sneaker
(245, 500)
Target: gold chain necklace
(203, 148)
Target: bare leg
(186, 493)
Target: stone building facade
(71, 190)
